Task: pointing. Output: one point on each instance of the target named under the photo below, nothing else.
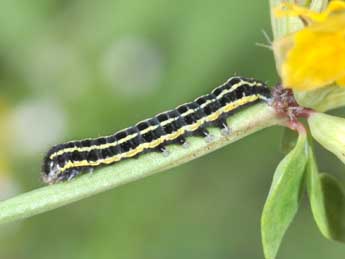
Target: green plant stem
(50, 197)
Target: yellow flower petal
(289, 9)
(316, 60)
(317, 57)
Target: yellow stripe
(107, 145)
(240, 102)
(163, 123)
(103, 146)
(215, 115)
(129, 137)
(148, 129)
(234, 87)
(189, 111)
(206, 103)
(128, 154)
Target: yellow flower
(317, 55)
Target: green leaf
(283, 199)
(335, 205)
(327, 201)
(288, 141)
(329, 131)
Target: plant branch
(50, 197)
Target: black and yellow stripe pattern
(65, 161)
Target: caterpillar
(66, 161)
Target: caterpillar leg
(73, 174)
(203, 132)
(163, 150)
(223, 126)
(181, 140)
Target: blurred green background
(81, 68)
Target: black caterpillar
(65, 161)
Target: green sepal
(282, 26)
(322, 99)
(284, 197)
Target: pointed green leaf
(283, 199)
(288, 141)
(316, 197)
(335, 205)
(327, 201)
